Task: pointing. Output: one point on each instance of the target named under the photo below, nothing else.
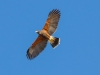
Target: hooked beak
(37, 32)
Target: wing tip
(29, 56)
(55, 11)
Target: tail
(54, 41)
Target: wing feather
(52, 21)
(37, 47)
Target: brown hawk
(45, 35)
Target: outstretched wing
(37, 47)
(52, 21)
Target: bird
(45, 35)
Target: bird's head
(38, 32)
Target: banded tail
(54, 41)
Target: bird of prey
(45, 35)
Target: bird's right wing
(37, 47)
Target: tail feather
(54, 41)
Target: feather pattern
(37, 47)
(52, 21)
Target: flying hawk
(44, 35)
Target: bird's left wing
(52, 21)
(37, 47)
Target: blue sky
(79, 30)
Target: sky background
(79, 31)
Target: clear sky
(79, 30)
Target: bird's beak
(36, 31)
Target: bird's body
(45, 35)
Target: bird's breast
(45, 34)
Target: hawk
(45, 35)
